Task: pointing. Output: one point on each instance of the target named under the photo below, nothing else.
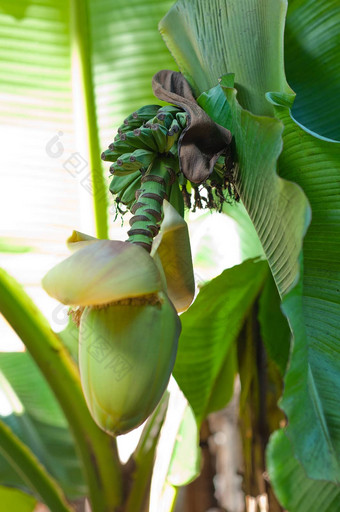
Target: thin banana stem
(144, 457)
(97, 450)
(83, 93)
(31, 471)
(155, 186)
(173, 495)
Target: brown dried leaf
(202, 140)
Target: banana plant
(251, 128)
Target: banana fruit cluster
(152, 129)
(145, 134)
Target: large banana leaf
(41, 424)
(245, 38)
(241, 37)
(312, 384)
(312, 64)
(127, 52)
(296, 492)
(53, 446)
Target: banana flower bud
(129, 328)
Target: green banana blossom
(128, 325)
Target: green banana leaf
(206, 360)
(275, 332)
(259, 143)
(15, 500)
(313, 307)
(247, 40)
(53, 446)
(295, 491)
(127, 52)
(240, 37)
(41, 424)
(214, 102)
(31, 388)
(312, 64)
